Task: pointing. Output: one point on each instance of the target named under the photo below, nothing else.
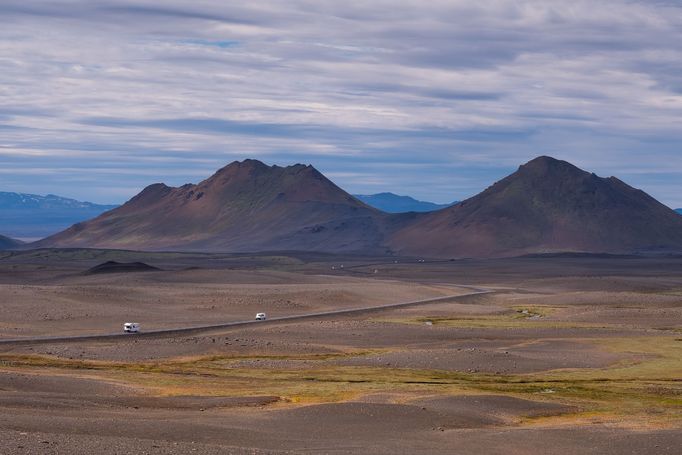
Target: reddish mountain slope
(246, 206)
(546, 206)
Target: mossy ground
(646, 392)
(515, 318)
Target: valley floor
(566, 356)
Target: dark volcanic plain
(570, 354)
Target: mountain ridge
(33, 215)
(546, 206)
(394, 203)
(244, 206)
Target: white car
(261, 317)
(131, 327)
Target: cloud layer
(433, 99)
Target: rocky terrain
(566, 355)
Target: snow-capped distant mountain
(50, 201)
(30, 215)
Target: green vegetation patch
(647, 390)
(515, 320)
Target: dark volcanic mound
(120, 267)
(244, 207)
(546, 206)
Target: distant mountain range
(7, 243)
(31, 215)
(392, 203)
(547, 206)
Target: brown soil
(236, 390)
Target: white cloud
(489, 83)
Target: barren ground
(569, 355)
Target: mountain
(7, 243)
(393, 203)
(246, 206)
(546, 206)
(679, 211)
(31, 215)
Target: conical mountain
(245, 206)
(547, 205)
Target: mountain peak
(260, 176)
(251, 167)
(248, 165)
(549, 165)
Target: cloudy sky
(435, 99)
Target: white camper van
(261, 317)
(131, 327)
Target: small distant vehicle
(261, 317)
(131, 327)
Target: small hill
(120, 267)
(546, 206)
(32, 215)
(393, 203)
(246, 206)
(7, 243)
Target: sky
(433, 99)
